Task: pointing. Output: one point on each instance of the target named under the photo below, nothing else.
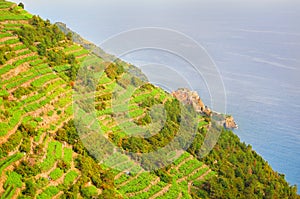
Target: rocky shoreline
(187, 96)
(229, 123)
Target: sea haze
(255, 44)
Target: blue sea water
(255, 45)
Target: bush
(114, 70)
(89, 191)
(70, 177)
(6, 53)
(48, 193)
(21, 5)
(4, 128)
(13, 179)
(4, 94)
(56, 173)
(21, 91)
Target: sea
(255, 46)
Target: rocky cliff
(230, 123)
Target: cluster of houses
(191, 97)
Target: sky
(122, 15)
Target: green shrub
(13, 179)
(89, 192)
(49, 192)
(4, 128)
(56, 173)
(68, 155)
(70, 177)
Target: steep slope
(38, 69)
(36, 101)
(43, 156)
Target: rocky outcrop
(191, 97)
(230, 123)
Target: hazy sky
(112, 16)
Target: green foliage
(54, 152)
(68, 134)
(49, 192)
(4, 128)
(153, 190)
(199, 173)
(4, 94)
(173, 192)
(26, 145)
(6, 53)
(40, 31)
(11, 144)
(29, 127)
(89, 191)
(9, 192)
(143, 180)
(68, 155)
(6, 68)
(41, 81)
(70, 177)
(13, 179)
(72, 48)
(79, 53)
(21, 91)
(189, 166)
(243, 172)
(10, 41)
(61, 68)
(50, 39)
(27, 170)
(6, 162)
(21, 5)
(114, 70)
(30, 189)
(56, 173)
(14, 14)
(22, 61)
(5, 4)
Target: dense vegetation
(242, 171)
(43, 155)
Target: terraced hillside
(36, 103)
(182, 175)
(44, 152)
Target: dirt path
(74, 51)
(82, 56)
(180, 195)
(14, 22)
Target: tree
(21, 5)
(69, 36)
